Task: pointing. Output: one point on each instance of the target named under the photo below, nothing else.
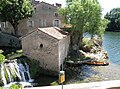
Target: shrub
(1, 87)
(2, 58)
(87, 44)
(15, 86)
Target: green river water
(111, 43)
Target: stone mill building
(47, 45)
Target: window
(56, 23)
(49, 7)
(4, 25)
(35, 10)
(30, 23)
(56, 14)
(42, 22)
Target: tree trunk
(76, 40)
(80, 40)
(15, 26)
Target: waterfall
(25, 69)
(22, 70)
(28, 73)
(15, 70)
(3, 75)
(8, 72)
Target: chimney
(34, 2)
(58, 5)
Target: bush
(1, 51)
(2, 58)
(87, 44)
(15, 86)
(1, 87)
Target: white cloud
(108, 5)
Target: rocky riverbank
(92, 54)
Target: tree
(84, 16)
(114, 17)
(15, 10)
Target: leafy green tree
(114, 17)
(84, 16)
(15, 10)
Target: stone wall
(42, 47)
(63, 49)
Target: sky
(107, 5)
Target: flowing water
(15, 71)
(3, 75)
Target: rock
(82, 53)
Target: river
(85, 73)
(111, 43)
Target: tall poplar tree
(84, 16)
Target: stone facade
(45, 15)
(47, 45)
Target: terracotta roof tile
(54, 32)
(51, 31)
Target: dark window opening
(41, 45)
(35, 9)
(56, 14)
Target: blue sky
(107, 5)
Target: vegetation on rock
(15, 86)
(90, 52)
(2, 57)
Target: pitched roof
(45, 3)
(55, 32)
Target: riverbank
(91, 53)
(83, 74)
